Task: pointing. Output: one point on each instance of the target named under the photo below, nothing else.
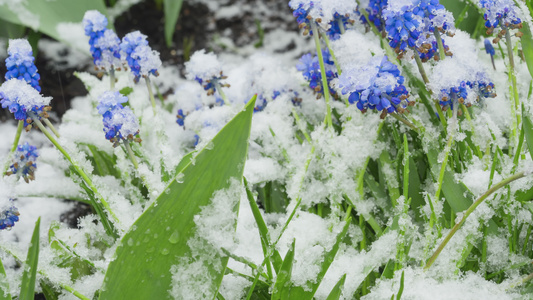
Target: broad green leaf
(336, 292)
(298, 292)
(172, 13)
(527, 46)
(456, 194)
(11, 31)
(4, 284)
(27, 287)
(141, 268)
(51, 17)
(282, 286)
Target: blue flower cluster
(21, 98)
(104, 43)
(429, 10)
(20, 63)
(334, 32)
(430, 50)
(384, 91)
(120, 123)
(262, 101)
(310, 68)
(402, 27)
(482, 87)
(142, 60)
(303, 18)
(455, 94)
(500, 13)
(375, 12)
(24, 165)
(9, 216)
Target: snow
(276, 155)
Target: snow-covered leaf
(160, 236)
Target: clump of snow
(203, 65)
(419, 285)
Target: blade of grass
(4, 284)
(281, 288)
(27, 286)
(336, 292)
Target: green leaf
(126, 91)
(48, 290)
(4, 284)
(298, 292)
(261, 225)
(527, 46)
(282, 286)
(103, 163)
(141, 269)
(336, 292)
(11, 31)
(46, 16)
(400, 291)
(27, 287)
(172, 12)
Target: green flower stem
(301, 126)
(218, 87)
(110, 229)
(333, 57)
(325, 87)
(43, 273)
(51, 126)
(150, 92)
(133, 160)
(341, 26)
(131, 154)
(442, 54)
(20, 126)
(112, 78)
(514, 89)
(404, 121)
(420, 67)
(469, 211)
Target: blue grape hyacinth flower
(24, 162)
(21, 98)
(9, 215)
(120, 124)
(375, 13)
(378, 85)
(402, 26)
(104, 43)
(500, 13)
(310, 68)
(141, 59)
(20, 63)
(206, 69)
